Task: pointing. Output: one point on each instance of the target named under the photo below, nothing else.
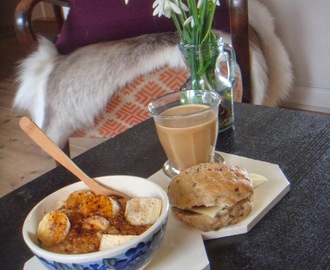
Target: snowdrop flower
(199, 3)
(183, 6)
(165, 7)
(189, 20)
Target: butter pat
(257, 179)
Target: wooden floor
(20, 159)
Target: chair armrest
(239, 24)
(23, 24)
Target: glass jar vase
(212, 66)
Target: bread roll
(226, 188)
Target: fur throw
(64, 93)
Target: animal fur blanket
(64, 93)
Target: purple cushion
(93, 21)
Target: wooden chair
(239, 28)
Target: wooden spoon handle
(41, 139)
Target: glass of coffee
(187, 127)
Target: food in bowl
(210, 196)
(134, 253)
(87, 222)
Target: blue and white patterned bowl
(135, 254)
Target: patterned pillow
(93, 21)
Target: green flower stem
(177, 25)
(197, 34)
(201, 31)
(207, 33)
(202, 15)
(200, 60)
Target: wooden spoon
(41, 139)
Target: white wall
(304, 28)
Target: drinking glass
(187, 128)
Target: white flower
(199, 4)
(188, 15)
(189, 20)
(183, 6)
(165, 7)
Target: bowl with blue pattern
(134, 254)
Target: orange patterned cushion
(128, 106)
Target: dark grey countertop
(295, 234)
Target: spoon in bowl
(44, 142)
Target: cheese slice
(257, 179)
(211, 211)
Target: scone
(210, 196)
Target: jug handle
(227, 53)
